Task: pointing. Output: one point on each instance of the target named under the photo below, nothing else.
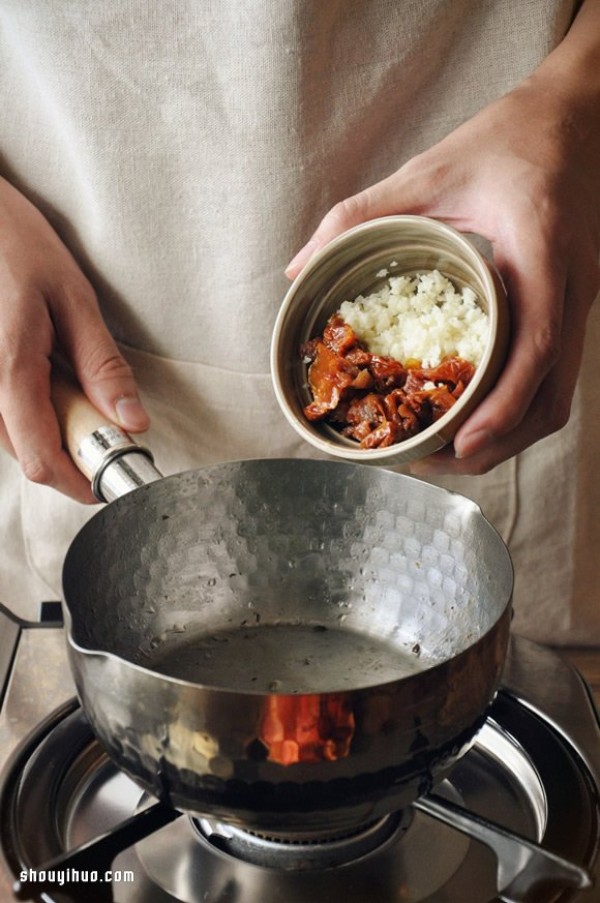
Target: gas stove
(517, 820)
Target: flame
(308, 728)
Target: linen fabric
(184, 151)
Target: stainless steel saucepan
(280, 642)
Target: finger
(394, 194)
(540, 420)
(104, 374)
(5, 442)
(537, 425)
(536, 291)
(549, 410)
(29, 431)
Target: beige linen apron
(185, 151)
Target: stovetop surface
(534, 769)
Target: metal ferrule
(115, 463)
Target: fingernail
(131, 414)
(303, 255)
(472, 443)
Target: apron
(184, 152)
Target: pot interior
(286, 576)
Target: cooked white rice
(421, 318)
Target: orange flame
(309, 728)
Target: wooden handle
(103, 452)
(92, 440)
(77, 416)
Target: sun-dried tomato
(373, 399)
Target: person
(162, 161)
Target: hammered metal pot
(379, 606)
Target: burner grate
(206, 860)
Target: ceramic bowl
(359, 262)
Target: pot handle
(103, 452)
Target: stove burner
(300, 852)
(183, 863)
(61, 791)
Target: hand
(46, 303)
(522, 175)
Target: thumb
(104, 374)
(394, 194)
(107, 380)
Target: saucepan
(280, 642)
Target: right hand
(47, 304)
(518, 174)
